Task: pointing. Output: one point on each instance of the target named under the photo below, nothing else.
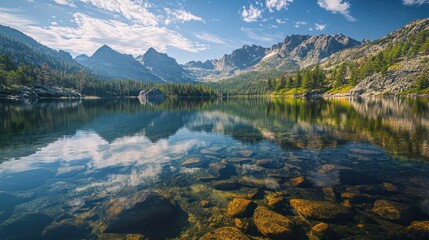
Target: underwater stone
(65, 229)
(20, 229)
(272, 224)
(193, 163)
(268, 163)
(229, 184)
(241, 160)
(392, 210)
(300, 182)
(239, 207)
(245, 153)
(221, 170)
(320, 210)
(329, 194)
(419, 229)
(225, 233)
(136, 210)
(320, 231)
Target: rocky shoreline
(24, 92)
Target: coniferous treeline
(13, 75)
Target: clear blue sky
(200, 29)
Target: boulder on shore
(136, 211)
(153, 93)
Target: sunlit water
(67, 159)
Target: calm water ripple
(116, 169)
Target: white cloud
(69, 3)
(299, 24)
(337, 6)
(177, 15)
(136, 11)
(90, 33)
(133, 31)
(210, 38)
(415, 2)
(258, 35)
(252, 14)
(280, 21)
(277, 4)
(320, 27)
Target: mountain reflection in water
(71, 158)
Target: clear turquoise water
(66, 159)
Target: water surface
(68, 159)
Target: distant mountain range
(294, 53)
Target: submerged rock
(251, 182)
(419, 229)
(275, 200)
(241, 160)
(225, 233)
(204, 203)
(392, 210)
(269, 163)
(136, 210)
(221, 170)
(320, 231)
(239, 207)
(28, 227)
(243, 223)
(320, 210)
(245, 153)
(330, 194)
(193, 163)
(300, 182)
(357, 197)
(228, 184)
(272, 224)
(66, 229)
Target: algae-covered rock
(225, 233)
(419, 229)
(27, 227)
(239, 207)
(320, 231)
(275, 200)
(204, 203)
(392, 210)
(300, 182)
(65, 229)
(320, 210)
(243, 223)
(272, 224)
(136, 210)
